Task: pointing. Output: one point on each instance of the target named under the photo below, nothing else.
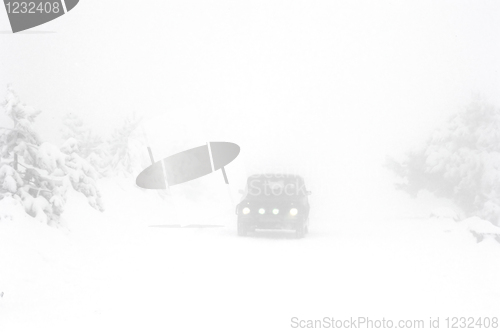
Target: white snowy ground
(111, 271)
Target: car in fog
(274, 201)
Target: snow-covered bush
(83, 178)
(444, 213)
(480, 228)
(10, 179)
(461, 161)
(50, 158)
(80, 173)
(70, 146)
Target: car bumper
(270, 223)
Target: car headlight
(246, 210)
(276, 211)
(294, 211)
(262, 210)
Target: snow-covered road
(187, 279)
(107, 274)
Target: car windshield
(275, 187)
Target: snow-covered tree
(39, 173)
(461, 161)
(20, 146)
(81, 174)
(126, 148)
(82, 140)
(83, 177)
(80, 136)
(20, 137)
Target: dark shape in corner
(36, 12)
(70, 4)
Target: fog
(325, 88)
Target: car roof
(275, 176)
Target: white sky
(338, 83)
